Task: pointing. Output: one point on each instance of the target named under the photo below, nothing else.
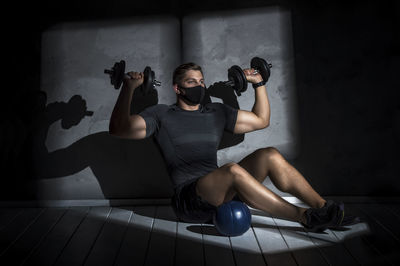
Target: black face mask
(193, 95)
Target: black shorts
(190, 207)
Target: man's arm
(122, 124)
(259, 116)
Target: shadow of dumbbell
(74, 111)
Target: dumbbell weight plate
(118, 75)
(148, 79)
(262, 66)
(235, 74)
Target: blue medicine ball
(232, 218)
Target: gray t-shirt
(189, 140)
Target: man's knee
(234, 170)
(269, 153)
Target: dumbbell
(237, 79)
(117, 74)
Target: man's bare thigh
(216, 187)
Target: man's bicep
(247, 121)
(137, 127)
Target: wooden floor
(150, 235)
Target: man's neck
(187, 107)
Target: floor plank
(136, 240)
(17, 227)
(55, 241)
(162, 242)
(304, 250)
(386, 218)
(217, 248)
(359, 248)
(246, 249)
(22, 248)
(332, 250)
(394, 208)
(84, 238)
(7, 215)
(189, 245)
(380, 238)
(107, 244)
(273, 246)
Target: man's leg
(222, 184)
(269, 162)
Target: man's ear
(177, 91)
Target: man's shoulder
(217, 106)
(158, 107)
(155, 110)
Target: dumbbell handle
(229, 82)
(110, 72)
(155, 82)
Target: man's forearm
(121, 112)
(261, 106)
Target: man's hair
(180, 71)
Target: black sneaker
(320, 219)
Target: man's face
(193, 78)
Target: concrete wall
(218, 40)
(75, 157)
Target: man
(189, 133)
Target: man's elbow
(265, 124)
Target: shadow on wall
(228, 97)
(124, 168)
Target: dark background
(347, 56)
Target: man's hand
(133, 79)
(252, 78)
